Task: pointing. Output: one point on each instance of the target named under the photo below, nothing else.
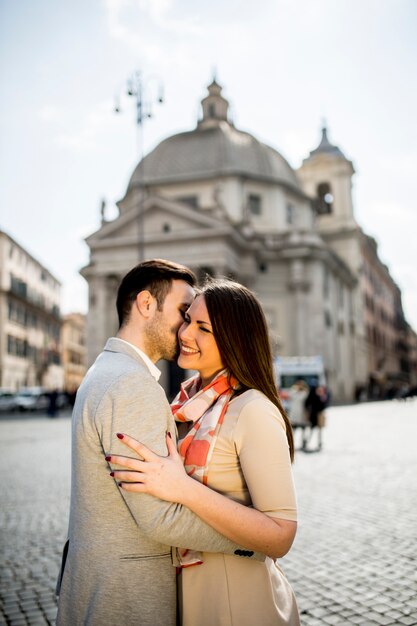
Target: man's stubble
(162, 339)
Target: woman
(297, 411)
(237, 447)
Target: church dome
(215, 148)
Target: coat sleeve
(136, 405)
(260, 434)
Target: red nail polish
(169, 435)
(120, 436)
(112, 474)
(108, 458)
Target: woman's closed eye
(201, 326)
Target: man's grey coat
(118, 569)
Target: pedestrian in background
(297, 412)
(316, 402)
(52, 403)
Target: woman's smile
(187, 350)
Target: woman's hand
(160, 476)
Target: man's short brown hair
(156, 276)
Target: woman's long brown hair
(241, 333)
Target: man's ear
(145, 303)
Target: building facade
(381, 356)
(73, 350)
(221, 202)
(412, 358)
(30, 320)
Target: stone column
(298, 286)
(96, 317)
(112, 323)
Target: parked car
(32, 399)
(8, 400)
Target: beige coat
(250, 464)
(118, 569)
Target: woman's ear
(145, 303)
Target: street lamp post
(136, 89)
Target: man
(118, 567)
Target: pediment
(159, 215)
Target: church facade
(221, 202)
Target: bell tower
(326, 175)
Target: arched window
(326, 282)
(324, 200)
(290, 211)
(254, 204)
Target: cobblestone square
(354, 560)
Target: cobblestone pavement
(354, 560)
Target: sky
(285, 65)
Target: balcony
(20, 289)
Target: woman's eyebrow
(203, 322)
(187, 313)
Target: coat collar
(114, 344)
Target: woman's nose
(185, 332)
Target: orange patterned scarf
(206, 408)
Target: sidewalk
(354, 560)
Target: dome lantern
(215, 107)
